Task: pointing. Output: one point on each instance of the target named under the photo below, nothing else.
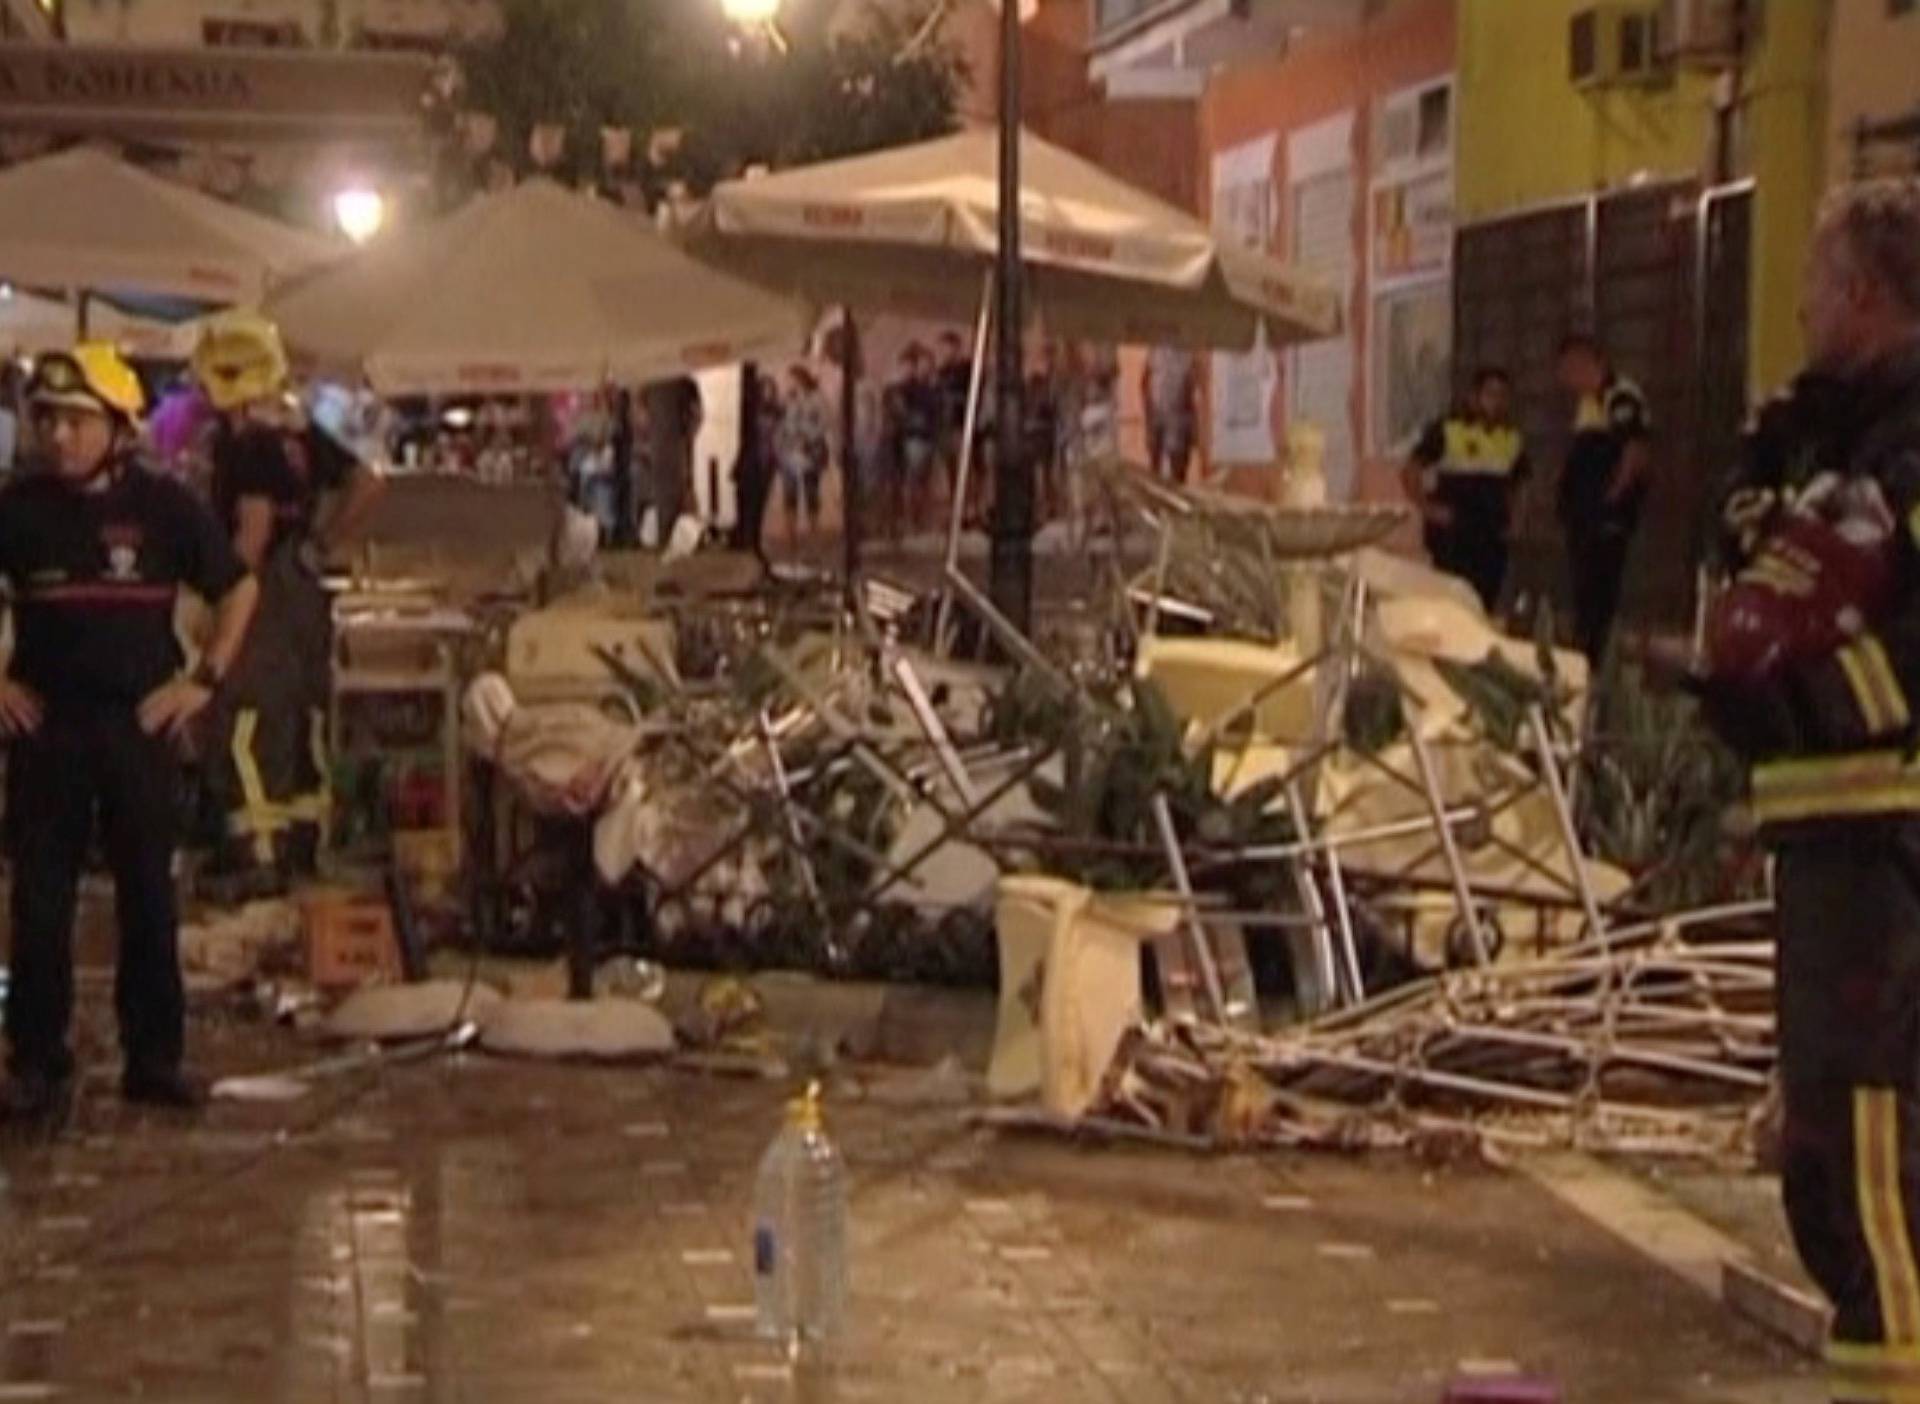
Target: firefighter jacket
(1834, 735)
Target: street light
(360, 213)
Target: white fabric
(385, 1012)
(559, 1028)
(913, 228)
(533, 289)
(83, 219)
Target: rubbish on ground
(385, 1013)
(630, 977)
(233, 946)
(611, 1030)
(267, 1087)
(728, 1015)
(350, 939)
(800, 1232)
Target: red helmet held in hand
(1821, 576)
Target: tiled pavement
(473, 1230)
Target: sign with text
(109, 89)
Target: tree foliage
(842, 82)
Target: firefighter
(1813, 673)
(268, 775)
(1464, 477)
(1603, 486)
(94, 548)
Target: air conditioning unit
(1615, 45)
(1707, 33)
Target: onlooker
(625, 518)
(1603, 486)
(1464, 477)
(675, 412)
(1041, 432)
(1170, 390)
(1097, 440)
(954, 379)
(754, 469)
(802, 445)
(913, 424)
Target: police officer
(1464, 476)
(270, 468)
(94, 548)
(1603, 487)
(1831, 730)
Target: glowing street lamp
(360, 213)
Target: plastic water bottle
(799, 1231)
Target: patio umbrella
(912, 228)
(88, 221)
(531, 289)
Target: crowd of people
(909, 436)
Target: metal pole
(853, 490)
(1456, 870)
(1011, 568)
(963, 475)
(1563, 816)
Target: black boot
(168, 1088)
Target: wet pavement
(470, 1229)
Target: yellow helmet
(92, 376)
(239, 359)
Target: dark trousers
(81, 769)
(1478, 557)
(1849, 999)
(266, 761)
(1597, 560)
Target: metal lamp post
(1010, 579)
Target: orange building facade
(1336, 153)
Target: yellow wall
(1527, 136)
(1878, 57)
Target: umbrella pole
(963, 473)
(852, 488)
(1011, 564)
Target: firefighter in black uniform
(1464, 477)
(270, 468)
(1814, 673)
(1603, 486)
(94, 548)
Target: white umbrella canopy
(532, 289)
(911, 228)
(84, 219)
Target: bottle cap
(803, 1112)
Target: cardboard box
(350, 940)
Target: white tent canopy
(532, 289)
(83, 219)
(910, 229)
